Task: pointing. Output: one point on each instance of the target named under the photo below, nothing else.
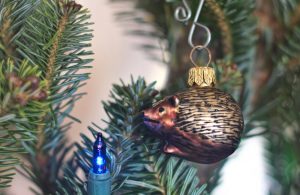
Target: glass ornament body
(202, 124)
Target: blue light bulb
(99, 155)
(100, 161)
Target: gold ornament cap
(202, 77)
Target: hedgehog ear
(174, 101)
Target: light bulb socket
(99, 184)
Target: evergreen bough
(43, 60)
(136, 162)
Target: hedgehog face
(162, 115)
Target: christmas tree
(45, 56)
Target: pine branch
(283, 142)
(54, 37)
(284, 86)
(278, 88)
(233, 24)
(22, 98)
(136, 163)
(13, 15)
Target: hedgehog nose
(144, 116)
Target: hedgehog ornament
(202, 124)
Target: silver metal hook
(192, 31)
(186, 13)
(183, 13)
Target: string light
(99, 155)
(99, 179)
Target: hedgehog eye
(161, 109)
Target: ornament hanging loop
(201, 76)
(200, 48)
